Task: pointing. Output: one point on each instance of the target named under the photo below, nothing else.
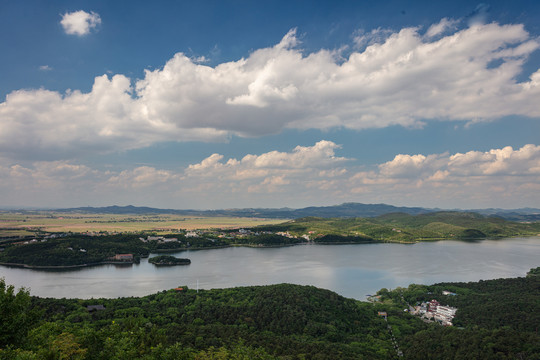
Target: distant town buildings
(435, 311)
(284, 234)
(159, 239)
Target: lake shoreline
(256, 246)
(350, 270)
(64, 267)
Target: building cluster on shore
(226, 234)
(180, 235)
(433, 310)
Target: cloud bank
(402, 78)
(503, 177)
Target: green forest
(74, 250)
(497, 319)
(166, 260)
(83, 250)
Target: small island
(167, 260)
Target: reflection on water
(350, 270)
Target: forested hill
(498, 319)
(404, 227)
(262, 322)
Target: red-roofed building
(432, 306)
(123, 257)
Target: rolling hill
(400, 227)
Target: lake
(350, 270)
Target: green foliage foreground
(267, 322)
(271, 322)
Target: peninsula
(65, 250)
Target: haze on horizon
(238, 104)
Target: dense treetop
(495, 319)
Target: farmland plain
(27, 223)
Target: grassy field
(21, 224)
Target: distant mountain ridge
(523, 214)
(344, 210)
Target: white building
(446, 311)
(446, 292)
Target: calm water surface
(350, 270)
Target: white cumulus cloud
(275, 163)
(403, 78)
(142, 176)
(442, 26)
(505, 161)
(474, 179)
(307, 175)
(80, 22)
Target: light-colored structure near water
(434, 310)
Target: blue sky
(219, 104)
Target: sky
(235, 104)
